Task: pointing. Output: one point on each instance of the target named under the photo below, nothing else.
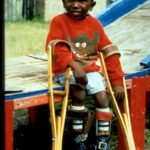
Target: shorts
(96, 82)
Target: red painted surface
(34, 101)
(8, 125)
(11, 105)
(138, 97)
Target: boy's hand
(79, 74)
(119, 92)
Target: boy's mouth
(76, 12)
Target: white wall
(53, 8)
(13, 10)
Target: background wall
(45, 9)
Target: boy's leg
(103, 117)
(78, 113)
(103, 113)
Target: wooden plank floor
(132, 35)
(27, 74)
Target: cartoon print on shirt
(84, 49)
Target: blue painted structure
(146, 61)
(138, 74)
(28, 94)
(117, 10)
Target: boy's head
(78, 9)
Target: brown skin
(78, 9)
(119, 92)
(79, 74)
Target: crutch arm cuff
(53, 43)
(110, 50)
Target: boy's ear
(93, 3)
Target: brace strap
(104, 116)
(74, 113)
(53, 43)
(110, 50)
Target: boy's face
(77, 9)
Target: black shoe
(102, 143)
(75, 141)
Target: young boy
(86, 36)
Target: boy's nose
(75, 4)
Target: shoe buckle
(102, 145)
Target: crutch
(57, 122)
(124, 123)
(127, 118)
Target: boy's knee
(76, 94)
(80, 96)
(102, 99)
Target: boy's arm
(119, 91)
(79, 74)
(114, 69)
(116, 75)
